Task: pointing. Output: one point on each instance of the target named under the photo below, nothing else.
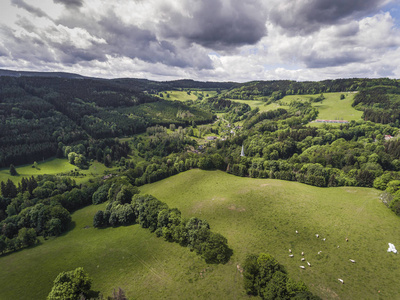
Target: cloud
(3, 50)
(129, 40)
(204, 40)
(357, 42)
(70, 3)
(33, 10)
(26, 47)
(306, 16)
(215, 24)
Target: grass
(179, 96)
(95, 170)
(128, 257)
(256, 103)
(183, 95)
(50, 166)
(262, 216)
(256, 215)
(331, 108)
(55, 166)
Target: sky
(207, 40)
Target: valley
(248, 159)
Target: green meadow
(331, 108)
(257, 103)
(55, 166)
(256, 215)
(184, 96)
(50, 166)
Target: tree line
(155, 215)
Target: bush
(100, 195)
(264, 276)
(98, 219)
(71, 285)
(215, 249)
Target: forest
(39, 116)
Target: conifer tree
(13, 171)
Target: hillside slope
(256, 215)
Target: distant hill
(137, 83)
(159, 86)
(40, 74)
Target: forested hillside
(380, 104)
(40, 115)
(277, 89)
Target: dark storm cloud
(33, 10)
(216, 24)
(26, 47)
(317, 60)
(68, 54)
(134, 42)
(128, 40)
(306, 16)
(70, 3)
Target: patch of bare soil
(233, 207)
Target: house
(388, 137)
(332, 121)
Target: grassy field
(263, 215)
(95, 170)
(331, 108)
(54, 166)
(256, 215)
(50, 166)
(256, 103)
(183, 95)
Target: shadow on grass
(93, 294)
(38, 243)
(71, 227)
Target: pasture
(256, 215)
(184, 96)
(331, 108)
(262, 106)
(51, 166)
(55, 166)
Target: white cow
(392, 248)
